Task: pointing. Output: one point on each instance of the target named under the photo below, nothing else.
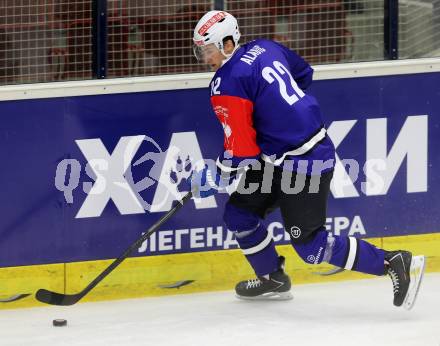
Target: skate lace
(253, 283)
(395, 279)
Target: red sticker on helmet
(211, 21)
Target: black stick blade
(54, 298)
(14, 298)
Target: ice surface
(343, 313)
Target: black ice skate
(275, 287)
(406, 272)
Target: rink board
(208, 271)
(55, 234)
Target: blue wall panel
(38, 226)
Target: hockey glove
(209, 181)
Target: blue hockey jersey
(259, 97)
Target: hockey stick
(14, 298)
(55, 298)
(333, 271)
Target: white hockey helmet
(212, 28)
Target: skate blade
(416, 271)
(269, 296)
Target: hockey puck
(59, 322)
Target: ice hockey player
(274, 129)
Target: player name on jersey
(252, 54)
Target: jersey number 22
(278, 73)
